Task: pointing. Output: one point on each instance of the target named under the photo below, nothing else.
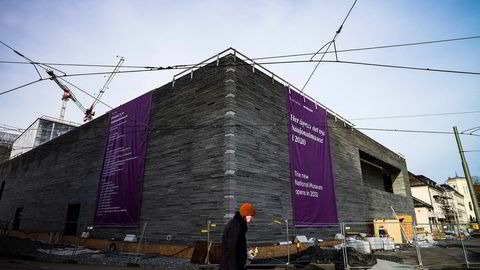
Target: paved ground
(31, 251)
(18, 254)
(449, 254)
(17, 264)
(446, 254)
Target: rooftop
(451, 189)
(420, 203)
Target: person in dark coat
(234, 242)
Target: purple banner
(313, 193)
(121, 185)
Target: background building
(217, 137)
(438, 207)
(6, 141)
(456, 211)
(424, 215)
(426, 190)
(40, 131)
(460, 185)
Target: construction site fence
(392, 244)
(385, 243)
(360, 245)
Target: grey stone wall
(263, 177)
(46, 179)
(216, 140)
(184, 173)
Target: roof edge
(255, 65)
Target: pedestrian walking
(234, 242)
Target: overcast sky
(162, 33)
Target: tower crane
(68, 94)
(89, 113)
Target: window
(2, 187)
(470, 206)
(377, 174)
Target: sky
(163, 33)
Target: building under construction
(225, 132)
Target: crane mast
(90, 113)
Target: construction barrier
(442, 246)
(385, 243)
(350, 245)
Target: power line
(78, 64)
(328, 47)
(376, 65)
(41, 78)
(472, 130)
(156, 129)
(370, 48)
(180, 67)
(172, 128)
(247, 64)
(413, 116)
(21, 86)
(316, 66)
(351, 119)
(256, 58)
(21, 55)
(413, 131)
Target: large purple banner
(313, 193)
(121, 183)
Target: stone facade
(217, 139)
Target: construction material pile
(316, 255)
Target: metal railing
(255, 65)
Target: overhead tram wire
(256, 58)
(184, 66)
(414, 116)
(369, 48)
(46, 68)
(178, 127)
(187, 66)
(472, 130)
(323, 55)
(175, 128)
(21, 55)
(30, 61)
(82, 65)
(328, 47)
(21, 86)
(262, 63)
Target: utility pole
(467, 175)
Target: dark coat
(234, 244)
